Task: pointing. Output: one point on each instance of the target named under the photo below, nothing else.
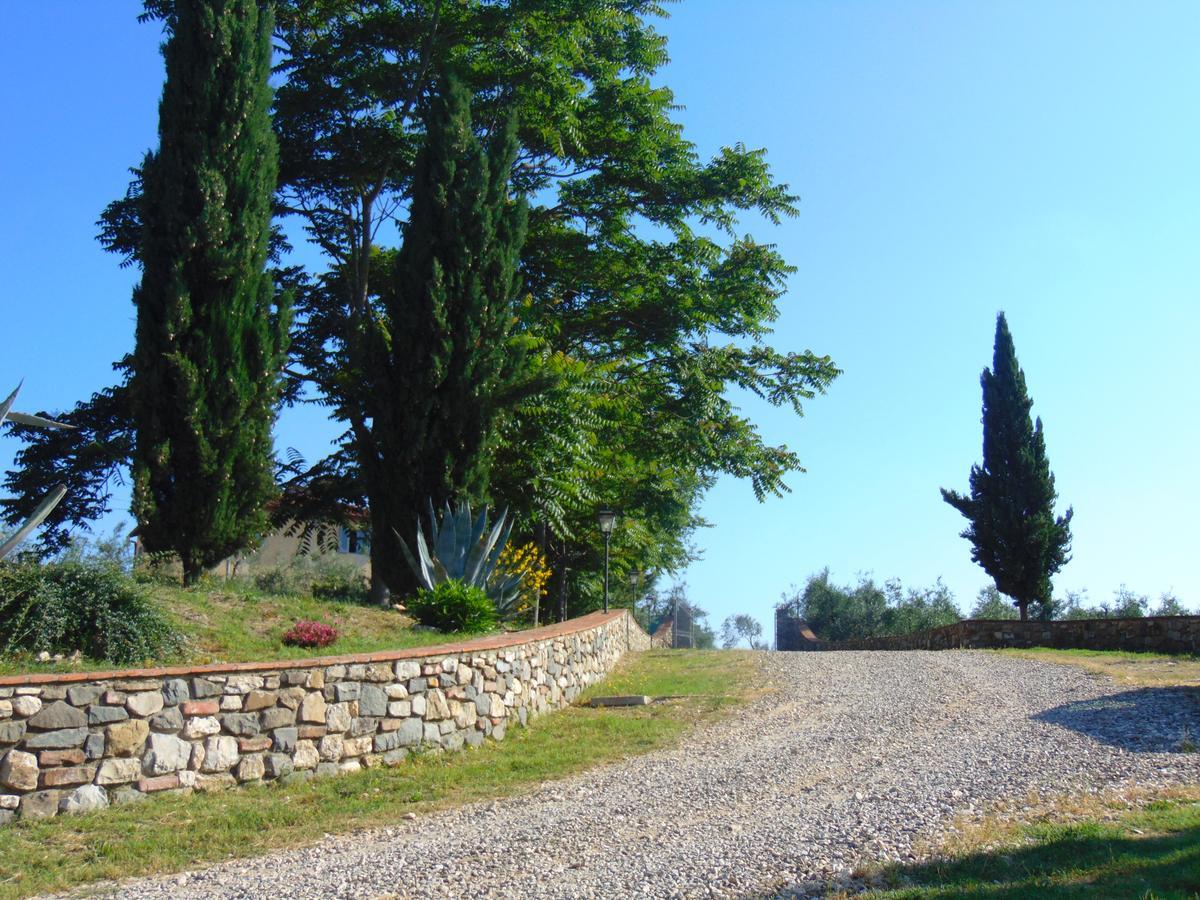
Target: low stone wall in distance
(1157, 634)
(81, 741)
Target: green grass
(167, 834)
(234, 623)
(1141, 669)
(1153, 851)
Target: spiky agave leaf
(479, 569)
(44, 509)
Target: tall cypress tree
(1013, 532)
(211, 331)
(446, 359)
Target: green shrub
(324, 576)
(454, 606)
(67, 606)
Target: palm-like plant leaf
(44, 509)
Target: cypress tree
(1013, 532)
(447, 360)
(211, 332)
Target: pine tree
(211, 333)
(446, 361)
(1014, 534)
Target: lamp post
(606, 518)
(635, 582)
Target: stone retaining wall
(1158, 634)
(80, 741)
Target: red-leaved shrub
(310, 634)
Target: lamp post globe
(606, 518)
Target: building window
(353, 541)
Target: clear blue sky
(953, 159)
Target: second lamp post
(607, 519)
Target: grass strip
(1140, 669)
(170, 834)
(1142, 848)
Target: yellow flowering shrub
(530, 564)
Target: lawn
(169, 834)
(1097, 848)
(235, 623)
(1138, 669)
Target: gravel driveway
(853, 756)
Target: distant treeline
(870, 609)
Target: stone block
(242, 724)
(113, 698)
(40, 805)
(26, 705)
(231, 702)
(349, 766)
(167, 754)
(257, 700)
(6, 709)
(175, 691)
(201, 726)
(127, 738)
(435, 705)
(67, 776)
(306, 756)
(400, 709)
(395, 757)
(326, 769)
(49, 758)
(408, 734)
(278, 765)
(255, 744)
(93, 746)
(56, 716)
(285, 740)
(220, 754)
(372, 701)
(406, 669)
(242, 684)
(202, 687)
(125, 795)
(453, 741)
(312, 709)
(83, 694)
(315, 680)
(363, 725)
(278, 717)
(19, 771)
(136, 684)
(343, 691)
(251, 768)
(57, 740)
(106, 715)
(330, 748)
(170, 719)
(88, 798)
(144, 703)
(312, 732)
(432, 735)
(9, 801)
(158, 783)
(207, 784)
(292, 697)
(119, 771)
(418, 705)
(337, 716)
(417, 685)
(357, 746)
(11, 732)
(396, 692)
(201, 708)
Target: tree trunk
(1023, 606)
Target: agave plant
(56, 494)
(463, 548)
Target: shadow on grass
(1085, 860)
(1145, 720)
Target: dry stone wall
(77, 742)
(1157, 634)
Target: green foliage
(840, 613)
(71, 606)
(453, 606)
(741, 627)
(210, 337)
(323, 576)
(444, 360)
(1013, 532)
(462, 548)
(990, 604)
(660, 606)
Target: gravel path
(853, 757)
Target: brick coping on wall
(492, 642)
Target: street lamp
(607, 518)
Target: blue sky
(953, 159)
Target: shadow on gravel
(1146, 720)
